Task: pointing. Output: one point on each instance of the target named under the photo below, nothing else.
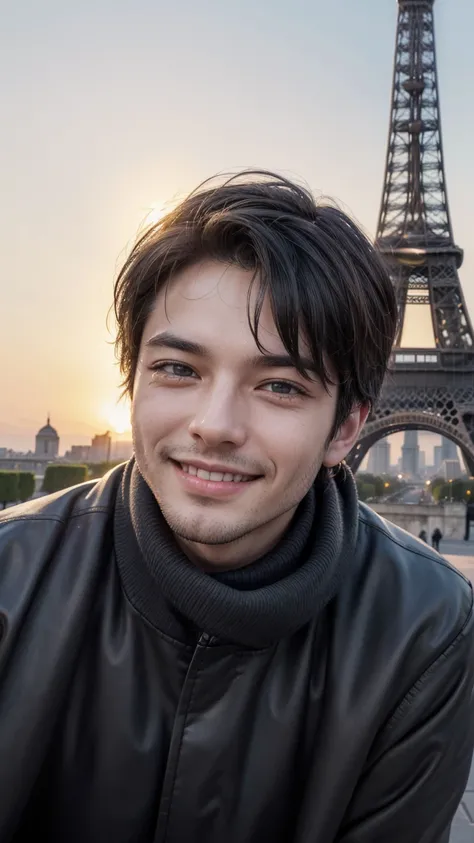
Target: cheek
(157, 413)
(295, 442)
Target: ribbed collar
(254, 606)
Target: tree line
(371, 486)
(456, 490)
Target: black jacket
(357, 728)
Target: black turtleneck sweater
(254, 606)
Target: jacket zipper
(205, 640)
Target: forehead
(209, 303)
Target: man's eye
(282, 388)
(174, 370)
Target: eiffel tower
(428, 388)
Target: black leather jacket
(356, 729)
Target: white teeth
(216, 476)
(204, 475)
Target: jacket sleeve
(418, 770)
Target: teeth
(216, 476)
(204, 475)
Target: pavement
(462, 829)
(461, 554)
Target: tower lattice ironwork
(427, 388)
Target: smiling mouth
(215, 476)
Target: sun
(118, 418)
(154, 214)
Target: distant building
(411, 454)
(450, 470)
(449, 449)
(78, 454)
(46, 451)
(438, 457)
(447, 462)
(15, 461)
(422, 462)
(47, 442)
(101, 448)
(122, 450)
(379, 458)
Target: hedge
(59, 477)
(9, 487)
(26, 485)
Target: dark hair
(323, 277)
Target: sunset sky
(113, 108)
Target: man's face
(228, 439)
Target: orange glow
(117, 417)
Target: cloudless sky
(110, 107)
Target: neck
(239, 553)
(255, 606)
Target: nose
(219, 418)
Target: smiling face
(228, 438)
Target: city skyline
(81, 177)
(47, 437)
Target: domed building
(47, 442)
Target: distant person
(436, 538)
(423, 536)
(216, 642)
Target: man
(216, 642)
(436, 538)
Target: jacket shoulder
(412, 614)
(69, 527)
(397, 550)
(52, 551)
(382, 533)
(418, 599)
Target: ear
(346, 436)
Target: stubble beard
(200, 527)
(196, 529)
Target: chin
(197, 530)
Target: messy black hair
(324, 279)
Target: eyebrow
(166, 339)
